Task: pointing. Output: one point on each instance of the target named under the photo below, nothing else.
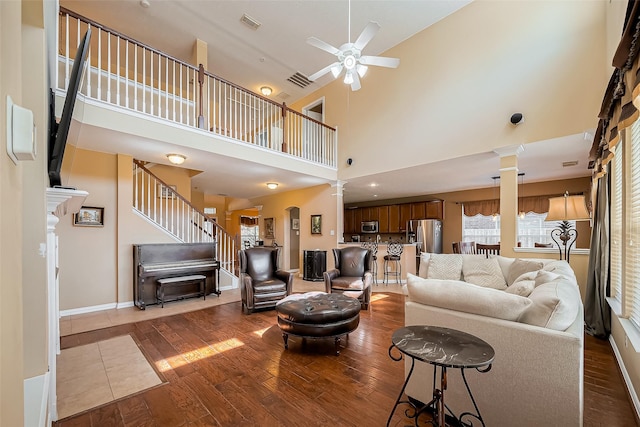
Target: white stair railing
(131, 75)
(163, 205)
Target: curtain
(622, 97)
(597, 314)
(537, 204)
(248, 221)
(618, 111)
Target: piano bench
(181, 280)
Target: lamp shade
(567, 208)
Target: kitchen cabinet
(357, 219)
(405, 216)
(394, 218)
(383, 219)
(418, 210)
(435, 209)
(349, 224)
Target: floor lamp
(564, 209)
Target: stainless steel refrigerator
(427, 234)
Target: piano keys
(163, 260)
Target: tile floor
(94, 374)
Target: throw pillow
(484, 272)
(523, 285)
(424, 264)
(466, 297)
(505, 263)
(445, 267)
(521, 266)
(555, 305)
(543, 277)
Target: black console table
(315, 264)
(443, 348)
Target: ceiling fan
(350, 56)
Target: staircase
(167, 209)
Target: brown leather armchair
(352, 275)
(262, 284)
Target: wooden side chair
(456, 247)
(542, 245)
(468, 247)
(487, 250)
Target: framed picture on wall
(316, 224)
(164, 191)
(89, 216)
(269, 228)
(295, 224)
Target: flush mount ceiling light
(272, 185)
(176, 159)
(266, 90)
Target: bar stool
(392, 258)
(373, 247)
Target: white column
(339, 188)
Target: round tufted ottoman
(318, 315)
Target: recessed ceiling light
(373, 184)
(145, 3)
(569, 164)
(272, 185)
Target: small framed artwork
(316, 224)
(164, 191)
(269, 228)
(89, 216)
(295, 224)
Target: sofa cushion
(555, 305)
(424, 264)
(521, 266)
(544, 276)
(523, 285)
(445, 267)
(483, 271)
(466, 297)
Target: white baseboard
(125, 304)
(90, 309)
(625, 375)
(36, 400)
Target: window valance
(248, 221)
(537, 204)
(622, 97)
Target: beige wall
(460, 80)
(87, 262)
(35, 180)
(318, 200)
(11, 292)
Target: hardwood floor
(224, 368)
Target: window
(249, 231)
(531, 229)
(481, 229)
(625, 225)
(534, 229)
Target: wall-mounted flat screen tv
(59, 131)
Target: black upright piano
(162, 260)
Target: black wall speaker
(517, 118)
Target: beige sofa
(533, 321)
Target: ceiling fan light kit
(350, 56)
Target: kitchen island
(407, 260)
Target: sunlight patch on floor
(183, 359)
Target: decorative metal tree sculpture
(565, 234)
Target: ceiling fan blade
(380, 61)
(356, 82)
(366, 35)
(323, 45)
(325, 70)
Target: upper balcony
(126, 82)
